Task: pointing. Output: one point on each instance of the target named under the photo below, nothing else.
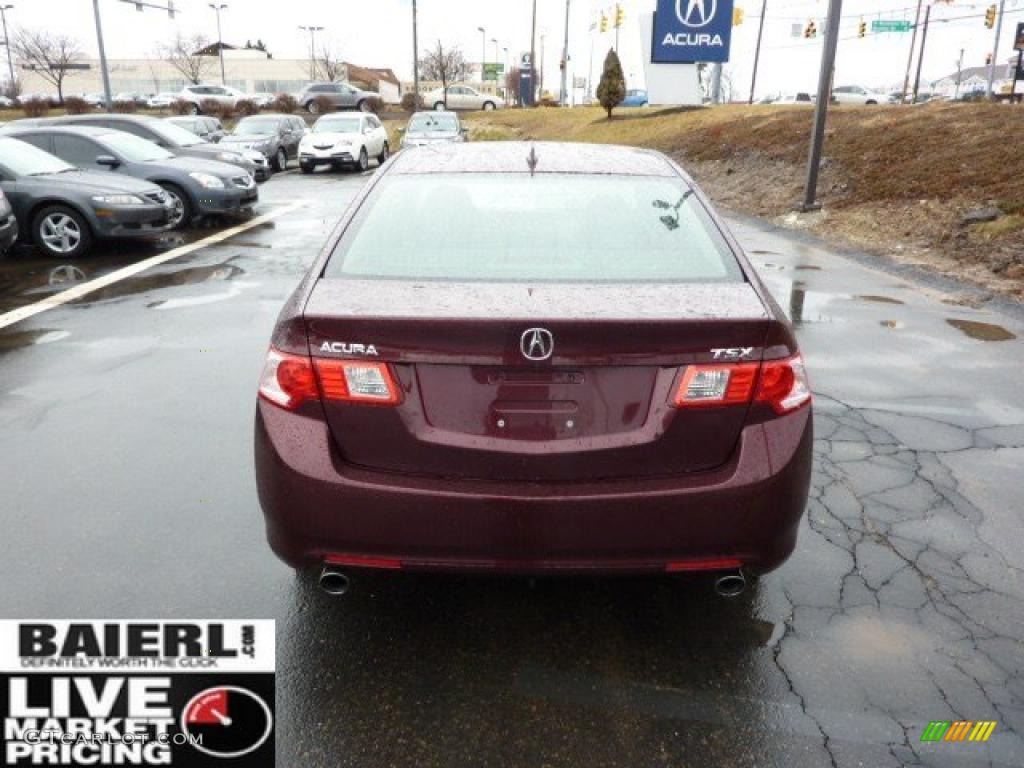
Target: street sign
(890, 25)
(687, 31)
(493, 70)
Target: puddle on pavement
(982, 331)
(241, 244)
(765, 253)
(893, 324)
(19, 339)
(879, 299)
(807, 267)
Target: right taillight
(783, 384)
(290, 380)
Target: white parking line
(57, 299)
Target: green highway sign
(493, 70)
(890, 25)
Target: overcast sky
(379, 33)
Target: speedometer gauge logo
(227, 721)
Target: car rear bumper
(318, 509)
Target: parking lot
(126, 436)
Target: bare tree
(330, 64)
(52, 57)
(182, 53)
(444, 65)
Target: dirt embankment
(896, 181)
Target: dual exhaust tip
(335, 582)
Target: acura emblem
(537, 343)
(699, 13)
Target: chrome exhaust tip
(333, 581)
(731, 583)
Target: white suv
(854, 94)
(222, 94)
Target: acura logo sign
(699, 13)
(537, 343)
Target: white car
(344, 140)
(161, 100)
(855, 94)
(195, 95)
(461, 97)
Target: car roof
(278, 115)
(76, 130)
(550, 157)
(71, 119)
(432, 112)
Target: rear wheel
(193, 109)
(488, 106)
(61, 231)
(363, 106)
(181, 210)
(312, 107)
(439, 107)
(280, 160)
(364, 160)
(383, 156)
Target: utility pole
(563, 96)
(828, 61)
(920, 54)
(995, 50)
(7, 41)
(415, 59)
(959, 71)
(716, 83)
(218, 7)
(533, 41)
(910, 56)
(540, 77)
(590, 64)
(105, 71)
(483, 52)
(312, 48)
(757, 50)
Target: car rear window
(541, 228)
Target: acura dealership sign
(687, 31)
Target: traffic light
(988, 59)
(990, 16)
(862, 30)
(620, 15)
(811, 30)
(604, 23)
(737, 16)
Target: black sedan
(197, 187)
(63, 210)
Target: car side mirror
(108, 160)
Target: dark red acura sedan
(533, 358)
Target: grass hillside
(895, 180)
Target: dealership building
(249, 70)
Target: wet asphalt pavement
(126, 433)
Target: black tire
(312, 107)
(280, 159)
(383, 156)
(182, 205)
(871, 101)
(306, 167)
(439, 107)
(193, 109)
(363, 105)
(61, 232)
(364, 161)
(489, 106)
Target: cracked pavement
(125, 427)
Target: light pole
(757, 50)
(533, 59)
(828, 63)
(483, 51)
(108, 99)
(563, 96)
(910, 57)
(312, 48)
(540, 76)
(415, 59)
(218, 7)
(7, 41)
(995, 50)
(959, 73)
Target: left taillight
(290, 380)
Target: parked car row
(74, 179)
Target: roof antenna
(531, 160)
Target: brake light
(288, 380)
(705, 385)
(356, 381)
(783, 384)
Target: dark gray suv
(275, 136)
(196, 187)
(340, 96)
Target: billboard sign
(687, 31)
(493, 70)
